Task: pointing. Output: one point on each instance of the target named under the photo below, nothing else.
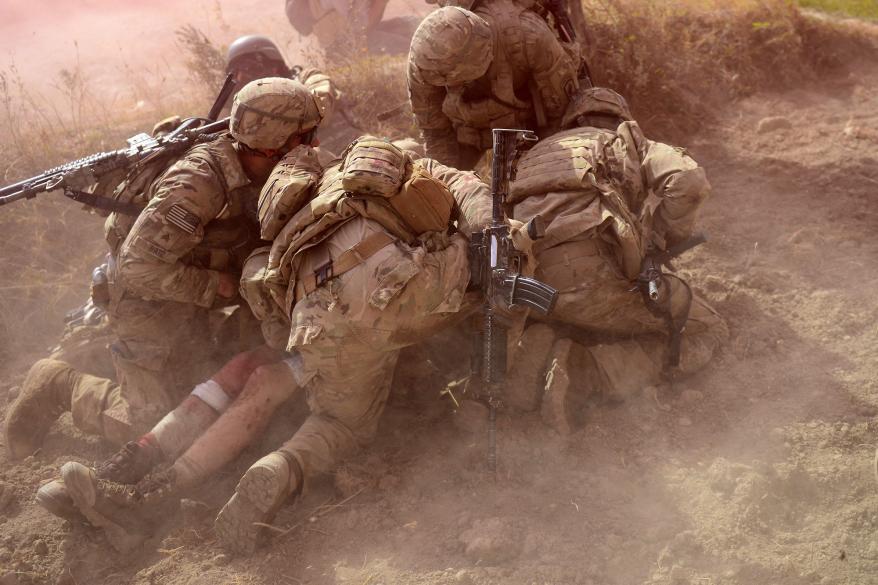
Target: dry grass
(678, 61)
(856, 8)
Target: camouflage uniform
(354, 282)
(164, 282)
(605, 194)
(345, 334)
(336, 23)
(500, 66)
(167, 267)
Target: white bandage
(212, 394)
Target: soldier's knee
(237, 371)
(271, 381)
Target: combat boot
(257, 498)
(45, 395)
(127, 513)
(53, 498)
(127, 466)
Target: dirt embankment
(757, 470)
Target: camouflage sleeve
(552, 67)
(471, 194)
(187, 197)
(682, 187)
(440, 139)
(324, 90)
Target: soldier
(180, 258)
(608, 198)
(499, 66)
(360, 276)
(336, 22)
(87, 335)
(253, 57)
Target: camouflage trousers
(347, 336)
(160, 350)
(629, 343)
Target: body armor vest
(595, 163)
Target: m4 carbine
(76, 177)
(496, 269)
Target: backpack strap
(347, 260)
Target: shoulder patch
(183, 218)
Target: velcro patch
(151, 248)
(183, 218)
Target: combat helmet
(452, 46)
(266, 112)
(594, 104)
(255, 56)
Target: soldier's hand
(228, 285)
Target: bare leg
(266, 389)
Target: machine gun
(76, 177)
(496, 271)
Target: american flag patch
(183, 218)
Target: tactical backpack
(378, 169)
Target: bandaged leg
(267, 388)
(182, 426)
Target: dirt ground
(757, 471)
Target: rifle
(567, 32)
(650, 282)
(75, 177)
(496, 271)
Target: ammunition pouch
(288, 189)
(378, 169)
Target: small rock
(41, 548)
(851, 131)
(691, 396)
(12, 394)
(221, 560)
(773, 124)
(684, 421)
(463, 577)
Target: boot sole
(80, 485)
(258, 497)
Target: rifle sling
(676, 323)
(105, 203)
